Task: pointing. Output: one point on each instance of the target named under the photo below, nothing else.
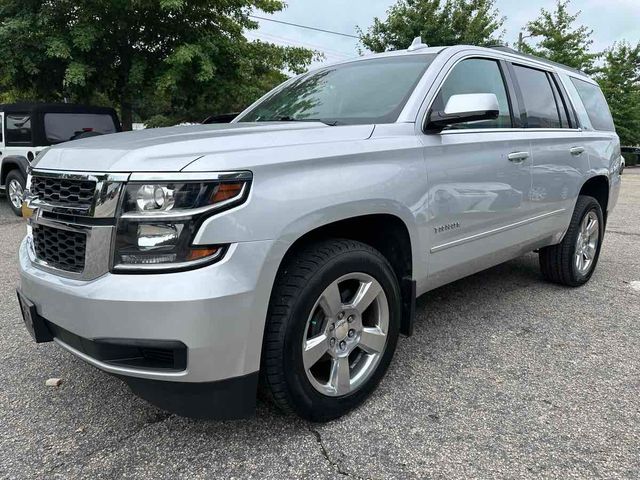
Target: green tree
(177, 59)
(561, 41)
(619, 78)
(438, 22)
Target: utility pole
(521, 40)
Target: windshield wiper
(286, 118)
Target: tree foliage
(619, 78)
(438, 22)
(561, 41)
(171, 59)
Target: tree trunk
(126, 115)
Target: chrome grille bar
(51, 211)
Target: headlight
(159, 219)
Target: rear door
(479, 175)
(559, 157)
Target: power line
(304, 26)
(298, 43)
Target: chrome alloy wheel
(346, 334)
(15, 193)
(587, 243)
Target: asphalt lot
(505, 377)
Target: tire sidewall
(591, 205)
(308, 401)
(17, 175)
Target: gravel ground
(505, 377)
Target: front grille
(59, 248)
(63, 191)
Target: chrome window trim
(503, 130)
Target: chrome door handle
(518, 156)
(576, 151)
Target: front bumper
(217, 312)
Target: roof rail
(504, 48)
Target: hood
(172, 149)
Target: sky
(611, 20)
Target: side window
(18, 129)
(540, 108)
(595, 104)
(476, 75)
(1, 126)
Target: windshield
(365, 91)
(62, 127)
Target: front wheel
(332, 329)
(15, 189)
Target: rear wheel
(332, 328)
(572, 261)
(15, 185)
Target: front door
(479, 177)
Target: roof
(36, 107)
(423, 49)
(511, 51)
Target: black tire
(14, 176)
(300, 283)
(557, 261)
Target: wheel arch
(386, 232)
(598, 188)
(13, 162)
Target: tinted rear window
(595, 104)
(540, 109)
(62, 127)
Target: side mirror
(469, 107)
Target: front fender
(12, 162)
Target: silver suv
(285, 250)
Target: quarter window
(18, 129)
(540, 109)
(595, 104)
(476, 75)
